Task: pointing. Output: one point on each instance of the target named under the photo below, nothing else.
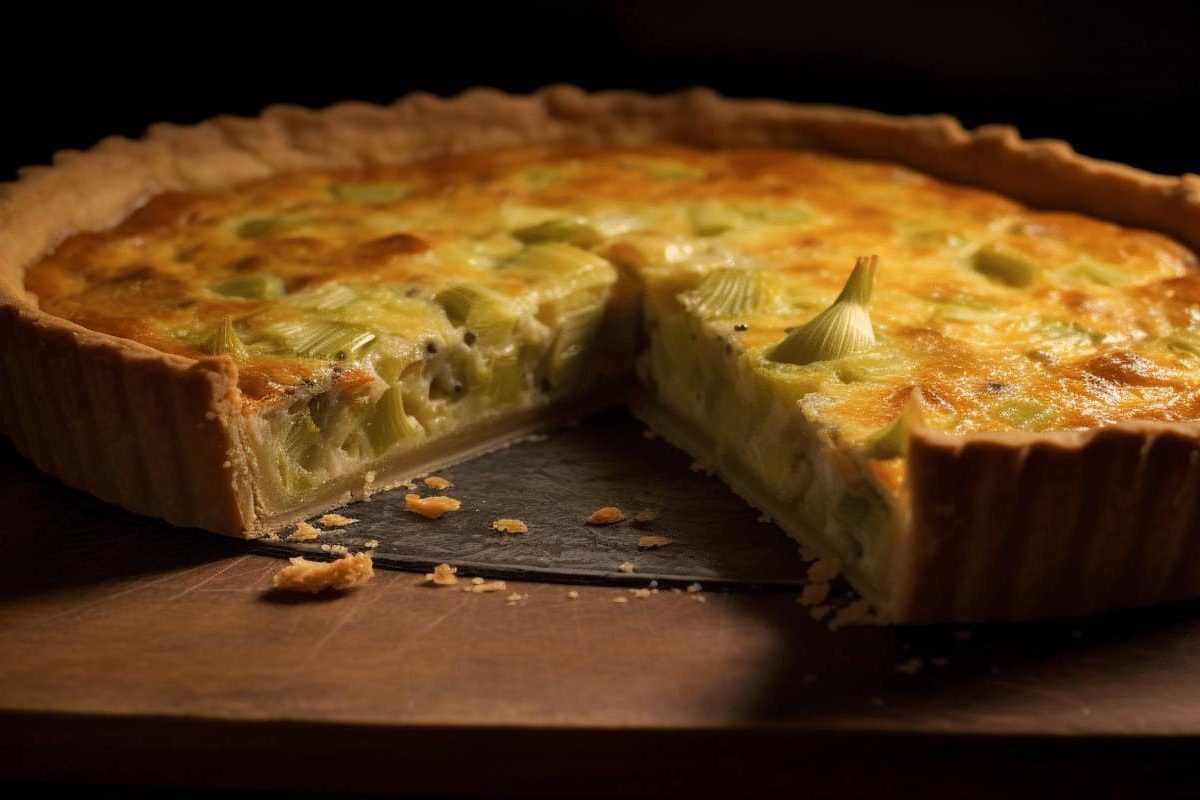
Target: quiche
(962, 364)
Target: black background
(1119, 81)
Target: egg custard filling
(791, 316)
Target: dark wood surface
(134, 654)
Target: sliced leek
(225, 341)
(251, 287)
(733, 293)
(487, 316)
(389, 423)
(571, 231)
(316, 338)
(840, 330)
(1006, 266)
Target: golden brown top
(1005, 318)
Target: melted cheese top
(1004, 317)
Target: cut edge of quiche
(991, 526)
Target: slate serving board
(553, 483)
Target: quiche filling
(379, 317)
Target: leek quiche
(964, 365)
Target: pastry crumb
(620, 599)
(820, 612)
(336, 521)
(824, 570)
(442, 575)
(326, 548)
(302, 575)
(371, 544)
(608, 515)
(340, 549)
(644, 517)
(274, 537)
(857, 613)
(814, 594)
(516, 597)
(431, 507)
(699, 598)
(572, 595)
(692, 588)
(476, 581)
(304, 533)
(437, 483)
(640, 593)
(910, 667)
(626, 567)
(652, 542)
(510, 526)
(484, 587)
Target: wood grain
(135, 653)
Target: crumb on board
(640, 593)
(644, 517)
(605, 516)
(572, 595)
(326, 548)
(857, 613)
(304, 533)
(340, 549)
(652, 542)
(820, 612)
(910, 667)
(272, 536)
(692, 588)
(485, 587)
(620, 599)
(437, 483)
(431, 507)
(699, 598)
(510, 526)
(516, 597)
(442, 575)
(814, 594)
(824, 571)
(371, 544)
(336, 521)
(302, 575)
(626, 567)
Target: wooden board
(137, 655)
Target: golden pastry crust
(164, 434)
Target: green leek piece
(508, 377)
(840, 330)
(558, 258)
(1101, 274)
(489, 316)
(576, 333)
(1184, 340)
(370, 193)
(1025, 415)
(225, 341)
(712, 218)
(571, 231)
(729, 292)
(302, 434)
(1005, 266)
(251, 287)
(388, 423)
(317, 338)
(891, 441)
(330, 296)
(260, 227)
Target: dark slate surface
(553, 484)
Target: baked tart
(962, 364)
